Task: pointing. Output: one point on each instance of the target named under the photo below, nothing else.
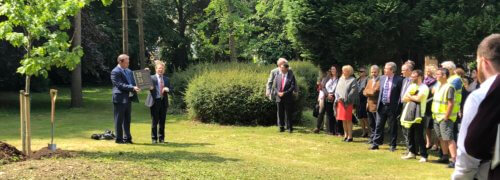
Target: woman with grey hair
(346, 97)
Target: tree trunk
(140, 21)
(76, 75)
(125, 26)
(232, 43)
(181, 51)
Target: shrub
(237, 96)
(181, 79)
(309, 72)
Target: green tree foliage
(270, 40)
(225, 32)
(39, 27)
(454, 28)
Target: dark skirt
(361, 111)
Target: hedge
(237, 96)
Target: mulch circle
(9, 153)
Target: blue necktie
(385, 93)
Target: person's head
(450, 66)
(442, 75)
(460, 72)
(374, 70)
(123, 60)
(430, 71)
(417, 76)
(281, 61)
(473, 74)
(390, 68)
(284, 68)
(488, 57)
(362, 72)
(406, 70)
(159, 67)
(411, 63)
(332, 72)
(347, 71)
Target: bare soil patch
(9, 153)
(77, 168)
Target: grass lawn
(194, 150)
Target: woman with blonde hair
(346, 97)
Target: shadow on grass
(174, 156)
(176, 145)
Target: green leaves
(30, 24)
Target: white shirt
(331, 85)
(466, 166)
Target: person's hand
(147, 69)
(330, 97)
(267, 93)
(280, 94)
(151, 87)
(165, 89)
(137, 89)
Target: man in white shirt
(468, 167)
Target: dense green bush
(237, 96)
(309, 72)
(181, 79)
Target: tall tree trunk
(181, 52)
(125, 26)
(232, 47)
(140, 21)
(232, 43)
(76, 75)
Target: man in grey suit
(387, 106)
(270, 81)
(124, 91)
(284, 85)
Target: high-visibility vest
(440, 103)
(458, 94)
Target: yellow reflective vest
(458, 94)
(440, 103)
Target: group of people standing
(440, 99)
(125, 91)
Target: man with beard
(475, 134)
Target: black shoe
(392, 149)
(290, 131)
(129, 142)
(162, 142)
(282, 129)
(349, 140)
(154, 141)
(451, 164)
(345, 139)
(443, 160)
(119, 142)
(374, 147)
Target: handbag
(149, 100)
(316, 110)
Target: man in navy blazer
(387, 106)
(283, 89)
(159, 92)
(124, 91)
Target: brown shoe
(316, 130)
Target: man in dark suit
(161, 87)
(124, 91)
(284, 87)
(387, 106)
